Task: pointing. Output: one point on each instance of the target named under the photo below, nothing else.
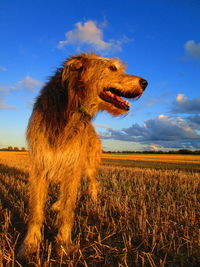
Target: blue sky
(159, 40)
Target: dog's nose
(143, 83)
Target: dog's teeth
(115, 99)
(109, 93)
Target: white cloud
(192, 49)
(3, 68)
(160, 117)
(169, 128)
(183, 105)
(5, 106)
(181, 98)
(90, 34)
(153, 147)
(27, 83)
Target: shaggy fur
(63, 144)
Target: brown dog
(63, 144)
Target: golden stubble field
(168, 158)
(144, 217)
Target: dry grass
(156, 157)
(145, 217)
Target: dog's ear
(72, 65)
(75, 64)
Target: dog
(63, 144)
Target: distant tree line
(180, 151)
(15, 148)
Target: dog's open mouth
(113, 96)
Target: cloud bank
(183, 105)
(162, 128)
(91, 35)
(165, 131)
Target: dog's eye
(113, 68)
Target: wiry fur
(63, 144)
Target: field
(148, 214)
(158, 161)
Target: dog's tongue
(118, 98)
(114, 96)
(115, 100)
(121, 100)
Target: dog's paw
(30, 245)
(66, 250)
(26, 249)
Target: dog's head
(100, 83)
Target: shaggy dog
(63, 144)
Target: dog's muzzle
(143, 83)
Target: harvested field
(145, 217)
(158, 161)
(167, 158)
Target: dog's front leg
(67, 204)
(37, 198)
